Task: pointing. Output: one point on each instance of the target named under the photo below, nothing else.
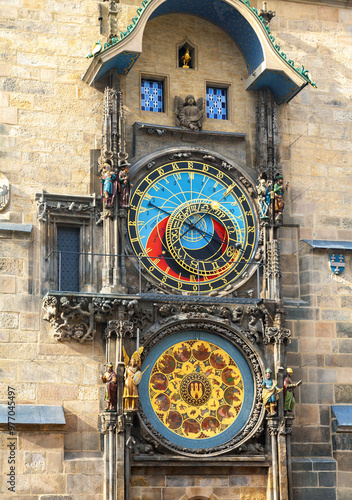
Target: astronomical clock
(192, 225)
(179, 271)
(193, 229)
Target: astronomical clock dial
(198, 390)
(192, 226)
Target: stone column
(120, 459)
(115, 455)
(108, 422)
(273, 424)
(128, 444)
(113, 151)
(283, 459)
(107, 266)
(120, 278)
(288, 432)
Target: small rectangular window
(217, 103)
(152, 98)
(68, 248)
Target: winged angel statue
(189, 112)
(133, 376)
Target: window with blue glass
(217, 103)
(68, 248)
(152, 98)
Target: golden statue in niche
(186, 59)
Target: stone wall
(215, 483)
(316, 158)
(51, 121)
(314, 478)
(50, 118)
(218, 62)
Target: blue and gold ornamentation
(198, 390)
(199, 397)
(192, 226)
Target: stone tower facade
(175, 307)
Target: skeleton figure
(263, 196)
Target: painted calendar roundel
(192, 226)
(198, 390)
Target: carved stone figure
(189, 113)
(109, 378)
(4, 191)
(263, 196)
(124, 188)
(133, 376)
(253, 332)
(279, 203)
(270, 393)
(289, 394)
(267, 15)
(108, 185)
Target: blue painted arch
(267, 66)
(226, 17)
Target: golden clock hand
(227, 192)
(215, 204)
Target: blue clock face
(192, 226)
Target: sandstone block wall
(217, 61)
(50, 120)
(237, 483)
(316, 151)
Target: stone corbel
(286, 427)
(273, 426)
(108, 422)
(75, 317)
(69, 320)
